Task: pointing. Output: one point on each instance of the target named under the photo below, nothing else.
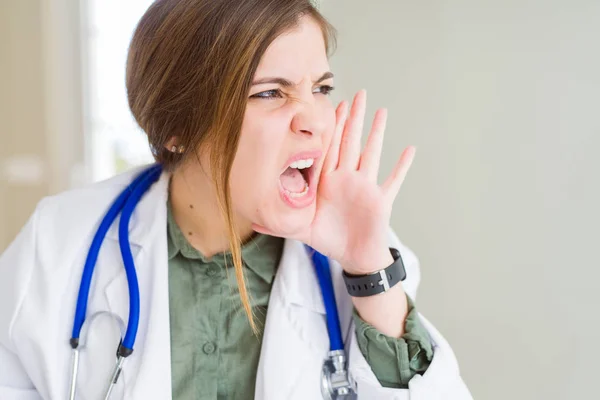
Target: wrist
(385, 312)
(378, 277)
(369, 263)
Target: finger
(350, 146)
(332, 157)
(393, 183)
(371, 156)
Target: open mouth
(299, 180)
(296, 179)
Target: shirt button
(212, 271)
(208, 348)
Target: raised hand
(353, 211)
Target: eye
(325, 89)
(269, 94)
(276, 93)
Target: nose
(309, 119)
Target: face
(288, 124)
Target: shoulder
(81, 204)
(64, 219)
(82, 199)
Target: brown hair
(189, 71)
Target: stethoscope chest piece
(336, 382)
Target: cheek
(256, 164)
(264, 126)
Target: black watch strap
(378, 281)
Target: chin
(288, 221)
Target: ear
(171, 143)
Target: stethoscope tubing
(132, 281)
(321, 264)
(92, 256)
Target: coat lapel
(147, 372)
(295, 341)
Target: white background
(502, 99)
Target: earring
(178, 149)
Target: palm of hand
(350, 209)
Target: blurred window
(115, 141)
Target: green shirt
(214, 353)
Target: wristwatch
(378, 281)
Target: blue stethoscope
(336, 382)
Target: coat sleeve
(441, 381)
(16, 266)
(395, 361)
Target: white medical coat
(40, 275)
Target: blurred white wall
(502, 100)
(21, 113)
(41, 110)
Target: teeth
(296, 194)
(302, 164)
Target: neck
(196, 211)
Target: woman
(257, 162)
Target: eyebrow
(286, 83)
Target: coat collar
(150, 214)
